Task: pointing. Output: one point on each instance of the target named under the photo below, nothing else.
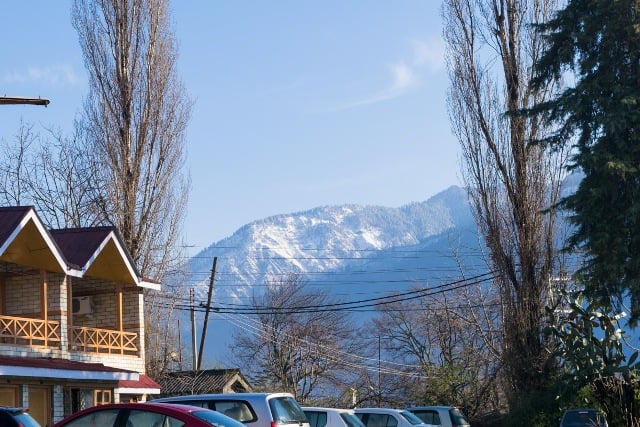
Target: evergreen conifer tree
(595, 46)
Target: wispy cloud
(426, 56)
(53, 75)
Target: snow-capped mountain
(326, 239)
(349, 249)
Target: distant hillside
(348, 250)
(326, 240)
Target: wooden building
(71, 318)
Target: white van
(252, 409)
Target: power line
(350, 305)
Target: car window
(411, 417)
(316, 418)
(457, 417)
(239, 410)
(138, 418)
(428, 417)
(351, 420)
(285, 409)
(103, 418)
(380, 420)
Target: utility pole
(379, 382)
(193, 331)
(207, 310)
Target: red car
(147, 415)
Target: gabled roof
(91, 251)
(205, 381)
(24, 240)
(98, 252)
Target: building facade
(71, 318)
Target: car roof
(231, 395)
(185, 409)
(380, 410)
(430, 407)
(319, 408)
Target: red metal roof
(143, 382)
(51, 363)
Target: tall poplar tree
(513, 185)
(596, 44)
(134, 123)
(134, 120)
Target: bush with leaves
(592, 347)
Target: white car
(331, 417)
(444, 416)
(387, 417)
(252, 409)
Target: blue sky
(297, 104)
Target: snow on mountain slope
(348, 250)
(324, 239)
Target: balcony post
(44, 306)
(120, 321)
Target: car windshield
(351, 420)
(411, 417)
(585, 417)
(285, 409)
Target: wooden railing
(93, 340)
(29, 332)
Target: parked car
(252, 409)
(16, 417)
(147, 415)
(331, 417)
(387, 417)
(444, 416)
(583, 417)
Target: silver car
(252, 409)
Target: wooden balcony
(104, 341)
(30, 332)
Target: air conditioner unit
(82, 305)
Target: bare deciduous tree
(513, 185)
(134, 120)
(54, 174)
(13, 179)
(294, 344)
(447, 343)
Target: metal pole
(193, 331)
(379, 382)
(207, 310)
